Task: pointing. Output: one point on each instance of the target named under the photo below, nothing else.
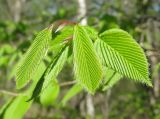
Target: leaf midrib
(83, 45)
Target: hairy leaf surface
(60, 39)
(50, 73)
(93, 34)
(57, 68)
(18, 106)
(88, 69)
(120, 52)
(33, 57)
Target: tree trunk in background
(82, 11)
(151, 31)
(106, 106)
(90, 105)
(82, 15)
(151, 26)
(15, 8)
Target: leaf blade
(88, 69)
(121, 53)
(50, 94)
(33, 57)
(50, 73)
(17, 108)
(111, 79)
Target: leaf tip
(150, 85)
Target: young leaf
(121, 53)
(49, 95)
(33, 57)
(74, 90)
(93, 34)
(59, 40)
(17, 108)
(13, 68)
(50, 73)
(36, 77)
(111, 79)
(88, 69)
(57, 68)
(4, 107)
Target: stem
(67, 83)
(9, 93)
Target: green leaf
(36, 78)
(93, 34)
(120, 52)
(17, 108)
(33, 57)
(111, 79)
(50, 94)
(12, 66)
(51, 72)
(4, 107)
(74, 90)
(57, 68)
(60, 39)
(88, 69)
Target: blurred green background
(20, 20)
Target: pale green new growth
(5, 107)
(56, 69)
(92, 33)
(50, 94)
(110, 79)
(74, 90)
(33, 57)
(121, 53)
(88, 70)
(116, 50)
(60, 39)
(17, 108)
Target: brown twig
(54, 26)
(9, 93)
(67, 83)
(68, 39)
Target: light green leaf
(110, 79)
(93, 34)
(120, 52)
(36, 78)
(50, 94)
(33, 57)
(18, 108)
(13, 67)
(74, 90)
(57, 68)
(60, 39)
(88, 69)
(4, 107)
(51, 72)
